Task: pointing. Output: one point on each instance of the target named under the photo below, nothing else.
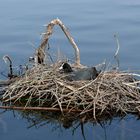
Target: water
(92, 23)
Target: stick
(117, 51)
(7, 82)
(118, 45)
(39, 108)
(40, 52)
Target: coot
(80, 74)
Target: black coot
(80, 74)
(66, 68)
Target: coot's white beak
(61, 67)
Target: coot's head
(66, 68)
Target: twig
(117, 51)
(38, 108)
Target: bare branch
(40, 52)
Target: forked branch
(40, 52)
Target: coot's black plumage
(67, 68)
(80, 74)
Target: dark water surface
(92, 23)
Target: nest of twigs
(45, 87)
(111, 92)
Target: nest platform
(44, 87)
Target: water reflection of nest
(70, 120)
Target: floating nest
(110, 93)
(44, 87)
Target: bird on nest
(89, 73)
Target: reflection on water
(92, 23)
(71, 128)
